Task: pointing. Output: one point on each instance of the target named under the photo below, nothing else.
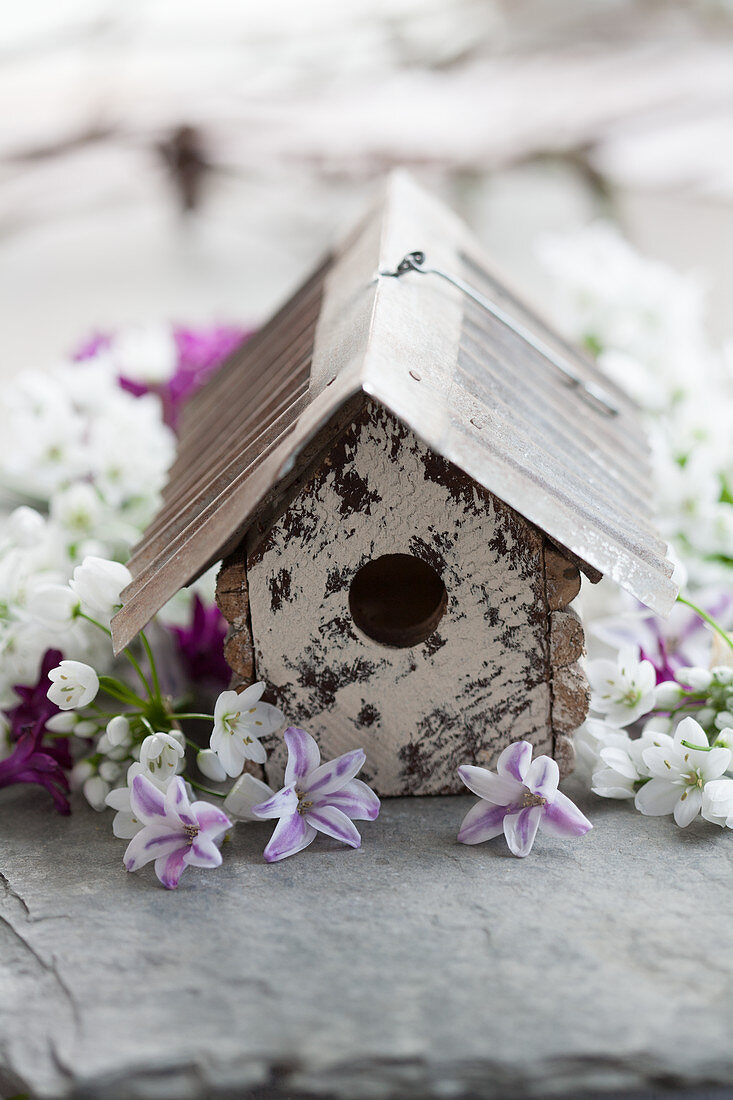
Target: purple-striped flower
(517, 800)
(176, 833)
(317, 797)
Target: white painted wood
(477, 684)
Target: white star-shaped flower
(240, 719)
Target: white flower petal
(211, 766)
(688, 807)
(714, 763)
(620, 761)
(657, 797)
(520, 830)
(691, 731)
(497, 789)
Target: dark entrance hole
(397, 600)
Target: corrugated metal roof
(476, 391)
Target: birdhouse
(406, 471)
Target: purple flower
(200, 352)
(31, 762)
(91, 347)
(200, 646)
(34, 705)
(518, 799)
(176, 833)
(316, 798)
(682, 640)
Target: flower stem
(698, 748)
(708, 619)
(111, 686)
(206, 717)
(151, 661)
(99, 713)
(205, 790)
(127, 651)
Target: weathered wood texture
(232, 598)
(562, 579)
(570, 693)
(491, 397)
(480, 680)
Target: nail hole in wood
(397, 600)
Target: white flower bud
(118, 731)
(110, 771)
(246, 793)
(667, 694)
(62, 723)
(98, 584)
(53, 606)
(95, 791)
(705, 716)
(699, 679)
(73, 684)
(723, 720)
(87, 727)
(25, 526)
(723, 674)
(210, 765)
(80, 773)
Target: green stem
(112, 713)
(698, 748)
(120, 691)
(127, 651)
(206, 717)
(205, 790)
(147, 724)
(133, 661)
(708, 619)
(151, 661)
(94, 622)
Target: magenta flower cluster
(200, 353)
(36, 757)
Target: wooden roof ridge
(482, 395)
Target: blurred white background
(169, 159)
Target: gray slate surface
(414, 968)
